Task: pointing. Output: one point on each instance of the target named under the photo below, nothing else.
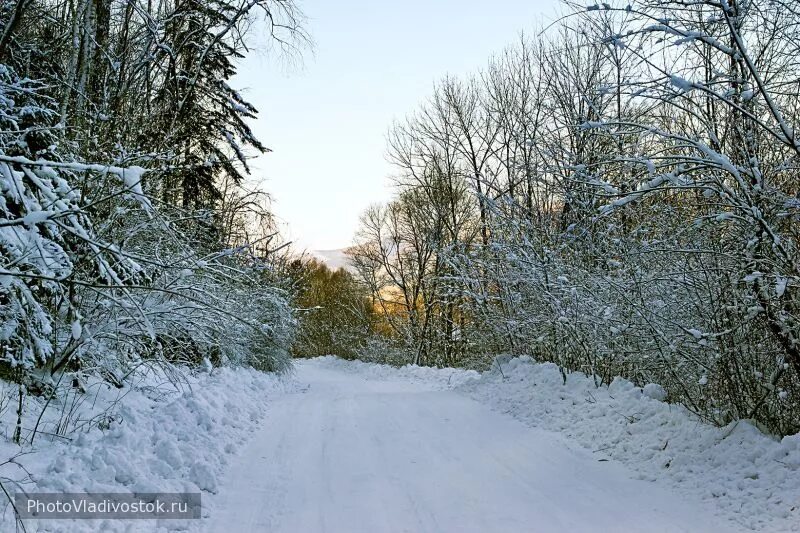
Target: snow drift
(156, 439)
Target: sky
(325, 114)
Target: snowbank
(155, 441)
(437, 378)
(750, 477)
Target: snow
(76, 330)
(36, 217)
(682, 84)
(746, 475)
(437, 378)
(131, 176)
(157, 439)
(655, 391)
(347, 446)
(132, 179)
(696, 333)
(369, 448)
(780, 286)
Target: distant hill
(333, 259)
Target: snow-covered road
(352, 454)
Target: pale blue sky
(326, 118)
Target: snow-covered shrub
(51, 250)
(682, 322)
(96, 278)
